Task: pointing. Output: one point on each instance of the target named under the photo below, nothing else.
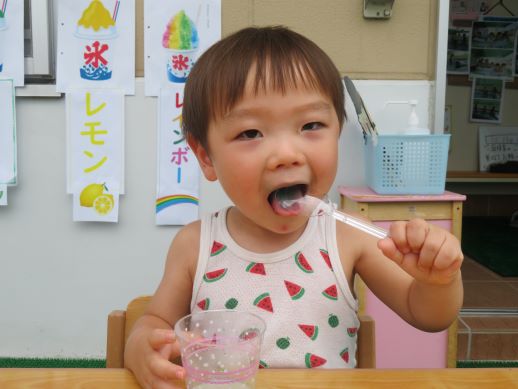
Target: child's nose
(285, 153)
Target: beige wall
(402, 47)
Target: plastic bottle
(413, 120)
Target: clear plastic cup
(220, 348)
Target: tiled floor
(488, 322)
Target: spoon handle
(360, 224)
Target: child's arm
(419, 274)
(151, 345)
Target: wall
(60, 279)
(464, 139)
(402, 47)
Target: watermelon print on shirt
(310, 322)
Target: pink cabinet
(399, 345)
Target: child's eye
(312, 126)
(250, 134)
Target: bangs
(262, 74)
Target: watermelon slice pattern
(311, 331)
(313, 360)
(204, 304)
(217, 248)
(256, 268)
(264, 301)
(325, 257)
(303, 263)
(344, 354)
(215, 275)
(295, 291)
(331, 293)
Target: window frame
(40, 68)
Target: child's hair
(280, 58)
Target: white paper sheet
(96, 45)
(95, 151)
(178, 170)
(11, 41)
(169, 65)
(8, 160)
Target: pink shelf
(399, 345)
(366, 195)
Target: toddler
(263, 109)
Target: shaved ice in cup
(180, 41)
(220, 348)
(95, 29)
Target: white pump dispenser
(413, 119)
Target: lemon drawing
(103, 204)
(90, 193)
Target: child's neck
(253, 237)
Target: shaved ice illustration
(3, 39)
(95, 29)
(180, 41)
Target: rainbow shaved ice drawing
(3, 26)
(180, 40)
(96, 25)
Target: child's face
(270, 141)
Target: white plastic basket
(407, 164)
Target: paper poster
(178, 170)
(8, 171)
(11, 41)
(487, 95)
(458, 50)
(96, 45)
(176, 33)
(466, 9)
(498, 146)
(493, 49)
(95, 152)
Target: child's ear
(203, 159)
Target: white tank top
(301, 292)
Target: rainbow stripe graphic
(168, 201)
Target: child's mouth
(283, 195)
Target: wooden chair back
(120, 323)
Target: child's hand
(153, 368)
(428, 253)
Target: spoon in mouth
(308, 204)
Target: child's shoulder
(185, 245)
(189, 230)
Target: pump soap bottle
(413, 120)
